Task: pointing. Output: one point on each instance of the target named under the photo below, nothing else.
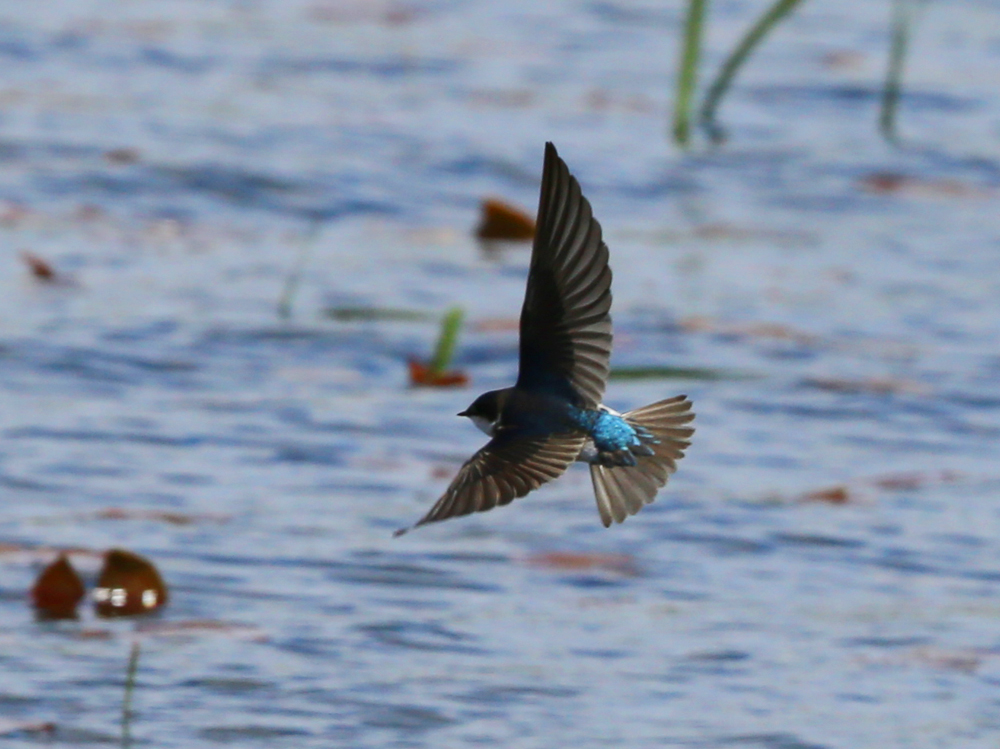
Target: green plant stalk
(451, 323)
(133, 666)
(735, 61)
(294, 278)
(687, 73)
(902, 22)
(377, 314)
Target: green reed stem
(735, 61)
(904, 13)
(451, 323)
(133, 666)
(294, 278)
(687, 73)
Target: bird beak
(463, 413)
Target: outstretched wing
(566, 321)
(504, 469)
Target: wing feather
(566, 321)
(503, 470)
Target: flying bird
(553, 415)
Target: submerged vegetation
(130, 672)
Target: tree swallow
(553, 415)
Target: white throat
(485, 425)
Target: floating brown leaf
(122, 156)
(575, 561)
(128, 585)
(500, 220)
(914, 480)
(175, 518)
(58, 590)
(424, 376)
(13, 726)
(883, 183)
(442, 472)
(40, 268)
(835, 495)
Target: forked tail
(624, 490)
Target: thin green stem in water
(735, 61)
(133, 666)
(904, 14)
(687, 73)
(294, 277)
(445, 349)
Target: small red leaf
(835, 495)
(501, 220)
(58, 590)
(422, 375)
(577, 561)
(40, 268)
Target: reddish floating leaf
(835, 495)
(883, 183)
(422, 375)
(442, 472)
(58, 590)
(574, 561)
(902, 482)
(915, 480)
(129, 584)
(174, 518)
(40, 268)
(14, 726)
(500, 220)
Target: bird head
(485, 410)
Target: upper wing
(566, 321)
(504, 469)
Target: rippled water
(847, 291)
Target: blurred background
(227, 227)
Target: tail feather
(624, 490)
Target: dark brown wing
(501, 471)
(566, 321)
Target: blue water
(857, 330)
